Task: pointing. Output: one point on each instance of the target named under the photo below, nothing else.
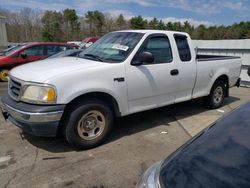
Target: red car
(28, 52)
(91, 39)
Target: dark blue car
(217, 157)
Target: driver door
(154, 84)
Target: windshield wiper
(94, 56)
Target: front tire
(88, 124)
(217, 94)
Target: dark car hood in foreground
(218, 157)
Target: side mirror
(23, 55)
(248, 72)
(144, 57)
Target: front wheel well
(107, 98)
(104, 97)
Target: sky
(207, 12)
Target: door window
(183, 48)
(70, 47)
(34, 51)
(53, 49)
(160, 48)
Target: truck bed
(211, 67)
(205, 57)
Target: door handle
(174, 72)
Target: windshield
(113, 47)
(11, 49)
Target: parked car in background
(219, 156)
(10, 49)
(67, 53)
(75, 42)
(28, 52)
(87, 42)
(10, 45)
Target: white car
(74, 42)
(122, 73)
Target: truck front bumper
(38, 120)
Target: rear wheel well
(225, 80)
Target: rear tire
(217, 94)
(4, 74)
(88, 124)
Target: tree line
(61, 26)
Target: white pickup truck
(122, 73)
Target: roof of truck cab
(152, 31)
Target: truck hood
(43, 71)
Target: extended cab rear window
(183, 47)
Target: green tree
(121, 22)
(96, 21)
(110, 23)
(138, 22)
(153, 24)
(169, 26)
(90, 20)
(210, 33)
(99, 21)
(188, 28)
(199, 32)
(28, 25)
(52, 24)
(161, 25)
(244, 28)
(177, 26)
(71, 24)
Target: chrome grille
(14, 88)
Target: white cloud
(193, 22)
(203, 7)
(233, 6)
(35, 4)
(127, 15)
(144, 3)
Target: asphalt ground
(136, 142)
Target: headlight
(39, 94)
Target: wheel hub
(218, 93)
(90, 123)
